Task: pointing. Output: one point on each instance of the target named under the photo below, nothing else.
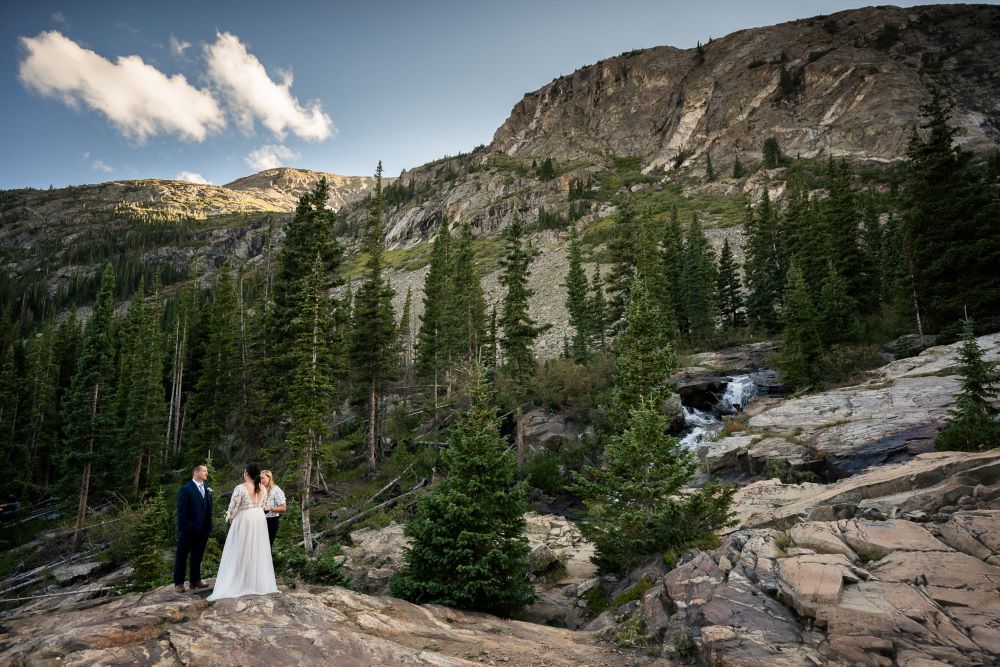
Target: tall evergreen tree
(576, 299)
(709, 171)
(42, 392)
(800, 346)
(764, 266)
(672, 254)
(597, 306)
(311, 389)
(519, 330)
(729, 289)
(217, 390)
(652, 272)
(405, 330)
(698, 284)
(373, 344)
(467, 306)
(469, 549)
(141, 407)
(838, 312)
(88, 410)
(432, 347)
(842, 222)
(309, 233)
(645, 357)
(623, 251)
(951, 223)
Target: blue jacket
(194, 513)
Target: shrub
(844, 362)
(291, 564)
(543, 473)
(969, 435)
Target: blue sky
(102, 91)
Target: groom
(194, 523)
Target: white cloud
(271, 156)
(58, 17)
(177, 47)
(138, 99)
(101, 165)
(193, 177)
(252, 94)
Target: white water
(739, 391)
(703, 425)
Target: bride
(245, 568)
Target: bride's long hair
(253, 472)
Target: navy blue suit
(194, 523)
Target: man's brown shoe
(179, 589)
(198, 584)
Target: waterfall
(701, 425)
(738, 392)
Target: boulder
(548, 431)
(74, 572)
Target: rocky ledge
(314, 625)
(892, 417)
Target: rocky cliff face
(849, 84)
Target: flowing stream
(701, 425)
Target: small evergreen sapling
(973, 425)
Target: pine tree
(800, 346)
(651, 271)
(772, 154)
(804, 235)
(973, 423)
(764, 265)
(374, 334)
(635, 506)
(841, 217)
(698, 285)
(309, 233)
(645, 358)
(709, 171)
(42, 393)
(623, 251)
(492, 342)
(519, 330)
(469, 549)
(729, 289)
(217, 391)
(142, 410)
(738, 170)
(405, 330)
(597, 306)
(838, 313)
(950, 218)
(88, 410)
(467, 306)
(432, 348)
(311, 389)
(149, 542)
(576, 300)
(672, 257)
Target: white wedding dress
(245, 568)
